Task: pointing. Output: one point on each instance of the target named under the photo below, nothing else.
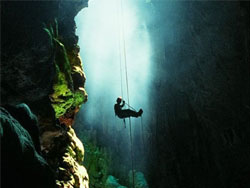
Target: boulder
(28, 121)
(139, 180)
(21, 165)
(112, 182)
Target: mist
(106, 30)
(110, 33)
(101, 29)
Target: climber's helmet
(119, 100)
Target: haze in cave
(117, 33)
(101, 40)
(163, 42)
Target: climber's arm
(123, 103)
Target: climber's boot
(140, 112)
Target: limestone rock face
(65, 153)
(27, 51)
(41, 66)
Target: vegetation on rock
(97, 161)
(42, 67)
(67, 97)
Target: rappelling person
(127, 112)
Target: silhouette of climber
(127, 112)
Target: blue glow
(101, 28)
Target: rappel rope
(127, 85)
(142, 129)
(120, 56)
(122, 35)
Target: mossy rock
(62, 98)
(112, 182)
(97, 163)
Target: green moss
(97, 166)
(79, 98)
(62, 97)
(62, 61)
(51, 30)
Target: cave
(66, 63)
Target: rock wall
(21, 163)
(41, 66)
(199, 133)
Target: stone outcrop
(28, 51)
(201, 96)
(41, 66)
(65, 152)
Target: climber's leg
(130, 113)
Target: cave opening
(110, 33)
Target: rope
(126, 71)
(143, 141)
(142, 128)
(130, 106)
(120, 55)
(124, 52)
(119, 47)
